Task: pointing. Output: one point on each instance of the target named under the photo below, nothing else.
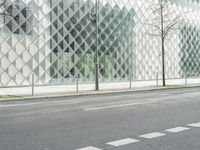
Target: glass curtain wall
(73, 41)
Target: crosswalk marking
(89, 148)
(152, 135)
(177, 129)
(122, 142)
(197, 125)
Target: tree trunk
(163, 60)
(162, 42)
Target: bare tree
(10, 11)
(163, 20)
(2, 2)
(4, 11)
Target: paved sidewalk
(20, 93)
(90, 93)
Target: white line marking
(89, 148)
(122, 142)
(197, 125)
(78, 101)
(152, 135)
(115, 106)
(39, 103)
(177, 129)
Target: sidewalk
(45, 92)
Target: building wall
(55, 40)
(73, 35)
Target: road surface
(151, 120)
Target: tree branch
(154, 25)
(3, 3)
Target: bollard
(33, 85)
(130, 83)
(157, 79)
(186, 81)
(77, 84)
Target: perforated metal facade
(55, 40)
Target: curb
(99, 93)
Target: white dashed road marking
(122, 142)
(152, 135)
(197, 125)
(177, 129)
(115, 106)
(89, 148)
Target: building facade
(55, 41)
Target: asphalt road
(154, 120)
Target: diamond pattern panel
(190, 52)
(73, 42)
(55, 40)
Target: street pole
(96, 49)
